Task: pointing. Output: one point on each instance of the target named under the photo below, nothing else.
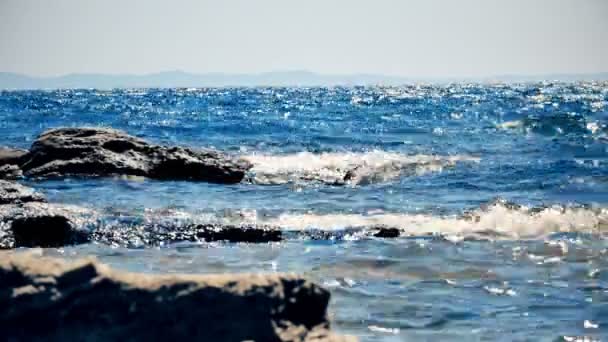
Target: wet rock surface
(102, 152)
(52, 225)
(156, 233)
(37, 224)
(14, 193)
(160, 231)
(10, 155)
(387, 232)
(10, 171)
(26, 220)
(85, 300)
(10, 159)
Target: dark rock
(10, 159)
(45, 231)
(53, 300)
(350, 174)
(101, 152)
(12, 156)
(27, 221)
(12, 193)
(10, 171)
(322, 234)
(36, 224)
(157, 232)
(387, 232)
(257, 234)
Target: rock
(36, 224)
(387, 232)
(10, 171)
(10, 159)
(11, 156)
(157, 232)
(243, 233)
(54, 300)
(12, 193)
(27, 221)
(347, 233)
(102, 152)
(45, 231)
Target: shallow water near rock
(428, 160)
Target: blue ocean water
(501, 192)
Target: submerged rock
(53, 300)
(101, 152)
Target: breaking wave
(349, 168)
(498, 219)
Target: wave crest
(498, 219)
(347, 168)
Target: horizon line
(302, 71)
(287, 78)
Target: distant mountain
(172, 79)
(600, 76)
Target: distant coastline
(178, 79)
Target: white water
(497, 220)
(346, 168)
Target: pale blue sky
(415, 38)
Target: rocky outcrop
(157, 233)
(387, 232)
(10, 159)
(37, 224)
(26, 220)
(10, 171)
(46, 299)
(10, 155)
(101, 152)
(14, 193)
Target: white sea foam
(498, 220)
(500, 291)
(379, 329)
(345, 168)
(515, 124)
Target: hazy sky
(414, 38)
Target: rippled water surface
(500, 191)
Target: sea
(500, 192)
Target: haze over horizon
(413, 39)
